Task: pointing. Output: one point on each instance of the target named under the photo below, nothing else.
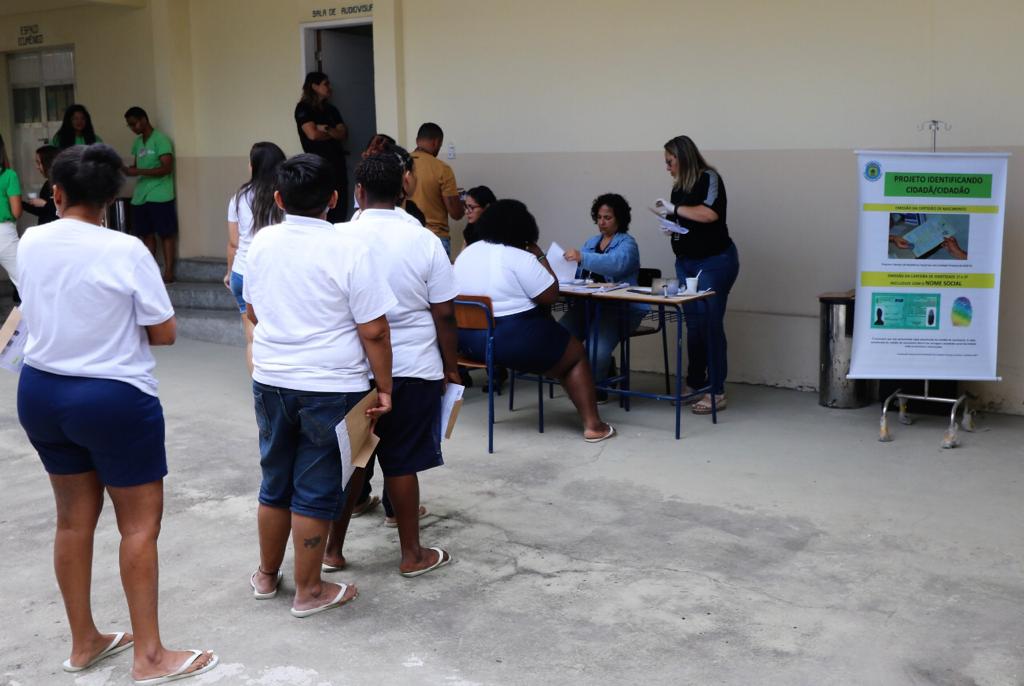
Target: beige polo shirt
(434, 181)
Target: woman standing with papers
(611, 256)
(706, 251)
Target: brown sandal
(703, 406)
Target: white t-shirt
(510, 277)
(242, 215)
(420, 274)
(310, 285)
(402, 214)
(87, 293)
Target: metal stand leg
(884, 434)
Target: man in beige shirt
(436, 193)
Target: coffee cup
(691, 285)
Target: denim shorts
(79, 424)
(236, 290)
(299, 453)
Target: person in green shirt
(76, 129)
(153, 210)
(10, 210)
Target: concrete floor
(784, 546)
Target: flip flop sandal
(269, 594)
(605, 437)
(704, 405)
(360, 509)
(337, 602)
(112, 649)
(441, 562)
(182, 671)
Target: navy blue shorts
(155, 217)
(410, 435)
(236, 290)
(528, 341)
(299, 452)
(80, 425)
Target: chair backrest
(474, 312)
(647, 276)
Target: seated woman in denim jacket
(612, 255)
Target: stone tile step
(201, 269)
(202, 295)
(212, 326)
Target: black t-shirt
(704, 239)
(47, 213)
(415, 212)
(330, 149)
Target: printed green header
(937, 185)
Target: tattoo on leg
(312, 542)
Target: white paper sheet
(341, 431)
(564, 269)
(669, 225)
(356, 439)
(13, 335)
(451, 398)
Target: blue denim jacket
(620, 262)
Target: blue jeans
(718, 273)
(447, 243)
(609, 332)
(236, 290)
(299, 453)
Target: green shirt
(147, 156)
(9, 186)
(79, 140)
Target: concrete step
(212, 326)
(202, 295)
(202, 269)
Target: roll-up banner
(928, 265)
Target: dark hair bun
(88, 175)
(102, 154)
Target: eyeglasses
(470, 208)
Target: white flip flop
(269, 594)
(441, 562)
(605, 437)
(112, 649)
(337, 602)
(181, 672)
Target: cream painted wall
(555, 102)
(113, 62)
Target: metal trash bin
(834, 389)
(118, 216)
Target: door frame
(318, 25)
(388, 86)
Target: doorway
(42, 87)
(345, 54)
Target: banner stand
(950, 439)
(898, 398)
